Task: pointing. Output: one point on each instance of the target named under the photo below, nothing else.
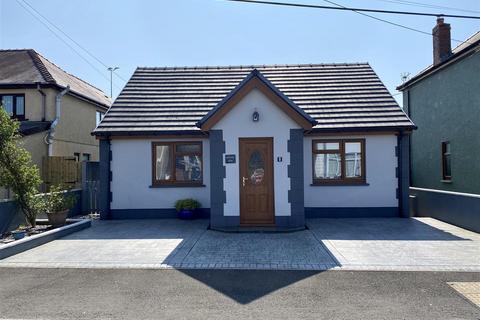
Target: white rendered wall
(380, 169)
(273, 123)
(132, 177)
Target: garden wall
(11, 217)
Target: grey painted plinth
(39, 239)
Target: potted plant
(186, 208)
(20, 233)
(57, 203)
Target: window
(14, 104)
(86, 157)
(77, 156)
(177, 163)
(338, 161)
(446, 161)
(98, 117)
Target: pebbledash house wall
(378, 198)
(132, 195)
(236, 124)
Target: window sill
(446, 181)
(338, 183)
(178, 185)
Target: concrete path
(348, 244)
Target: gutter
(51, 131)
(44, 102)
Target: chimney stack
(442, 48)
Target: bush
(16, 170)
(59, 199)
(187, 204)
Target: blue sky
(214, 32)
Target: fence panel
(61, 170)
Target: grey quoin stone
(403, 155)
(217, 176)
(295, 173)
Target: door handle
(244, 180)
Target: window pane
(86, 157)
(327, 166)
(99, 117)
(448, 166)
(447, 147)
(189, 148)
(353, 159)
(327, 146)
(163, 169)
(7, 103)
(20, 110)
(188, 168)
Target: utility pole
(112, 70)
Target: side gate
(90, 186)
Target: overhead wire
(71, 39)
(427, 5)
(356, 10)
(23, 4)
(304, 5)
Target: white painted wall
(380, 169)
(132, 177)
(273, 123)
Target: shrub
(16, 170)
(187, 204)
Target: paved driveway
(351, 244)
(399, 244)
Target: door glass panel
(256, 167)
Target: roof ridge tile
(47, 76)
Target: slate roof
(255, 74)
(460, 51)
(340, 97)
(25, 67)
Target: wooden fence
(61, 170)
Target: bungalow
(256, 145)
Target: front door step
(245, 229)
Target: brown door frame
(271, 183)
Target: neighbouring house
(444, 101)
(257, 145)
(57, 111)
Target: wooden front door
(256, 181)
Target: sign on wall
(229, 158)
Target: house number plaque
(229, 158)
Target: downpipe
(58, 108)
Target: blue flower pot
(186, 214)
(17, 235)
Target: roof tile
(172, 99)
